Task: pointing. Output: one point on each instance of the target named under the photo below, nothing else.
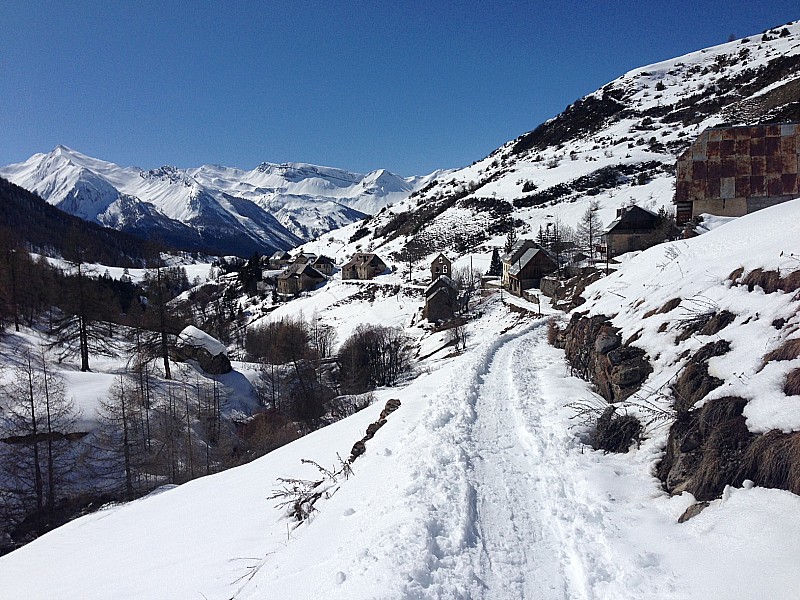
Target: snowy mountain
(230, 211)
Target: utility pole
(12, 260)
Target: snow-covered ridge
(271, 206)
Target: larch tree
(590, 229)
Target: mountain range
(220, 210)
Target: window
(441, 259)
(444, 269)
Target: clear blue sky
(409, 86)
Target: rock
(391, 405)
(373, 427)
(606, 342)
(209, 353)
(692, 511)
(358, 449)
(627, 375)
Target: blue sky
(409, 86)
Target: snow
(477, 487)
(194, 337)
(306, 199)
(480, 485)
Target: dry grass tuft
(773, 460)
(792, 385)
(789, 350)
(736, 274)
(769, 281)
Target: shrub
(373, 356)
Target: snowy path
(523, 550)
(524, 523)
(536, 532)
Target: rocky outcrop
(360, 447)
(596, 352)
(207, 352)
(705, 448)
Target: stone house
(323, 264)
(304, 258)
(733, 171)
(279, 259)
(363, 265)
(298, 278)
(441, 266)
(634, 228)
(441, 300)
(525, 265)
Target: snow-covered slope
(229, 210)
(615, 146)
(477, 487)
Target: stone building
(733, 171)
(441, 300)
(297, 278)
(635, 228)
(441, 265)
(525, 265)
(363, 265)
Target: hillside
(211, 208)
(615, 146)
(491, 470)
(481, 483)
(30, 222)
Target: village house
(363, 265)
(441, 300)
(525, 265)
(323, 264)
(733, 171)
(298, 278)
(634, 228)
(304, 258)
(441, 266)
(279, 259)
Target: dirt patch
(669, 306)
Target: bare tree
(37, 424)
(122, 440)
(589, 229)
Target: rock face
(594, 348)
(209, 353)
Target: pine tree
(495, 267)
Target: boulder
(208, 352)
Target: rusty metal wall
(754, 165)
